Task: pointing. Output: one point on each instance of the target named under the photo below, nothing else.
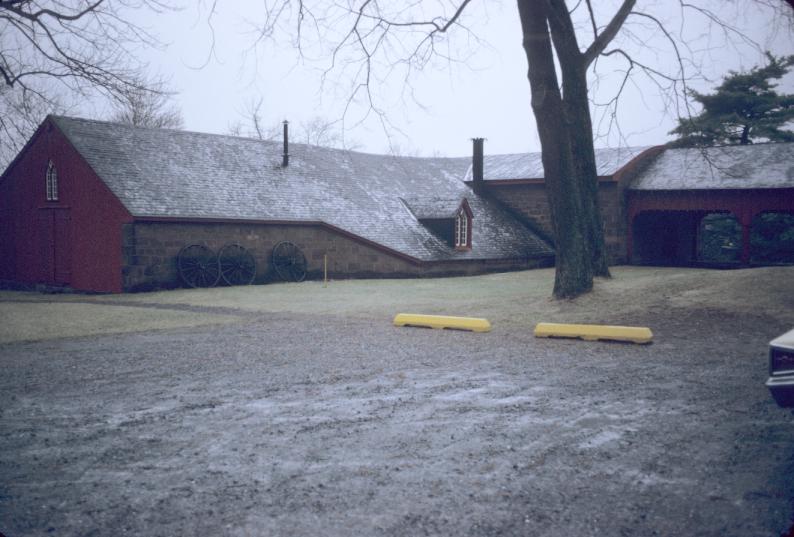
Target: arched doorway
(719, 239)
(772, 238)
(665, 238)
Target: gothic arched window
(52, 182)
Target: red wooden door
(54, 238)
(44, 227)
(62, 247)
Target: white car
(781, 369)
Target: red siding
(744, 204)
(75, 241)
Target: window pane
(54, 182)
(49, 182)
(464, 234)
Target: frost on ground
(27, 318)
(336, 424)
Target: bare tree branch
(592, 19)
(314, 131)
(54, 52)
(148, 108)
(602, 41)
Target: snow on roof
(530, 165)
(727, 167)
(168, 173)
(433, 208)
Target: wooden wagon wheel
(237, 265)
(289, 262)
(198, 266)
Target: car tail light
(781, 361)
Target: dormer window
(52, 182)
(449, 219)
(463, 230)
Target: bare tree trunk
(576, 113)
(574, 274)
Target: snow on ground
(293, 421)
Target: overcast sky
(486, 96)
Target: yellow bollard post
(593, 332)
(475, 324)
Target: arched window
(462, 231)
(52, 182)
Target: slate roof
(433, 208)
(530, 165)
(727, 167)
(167, 173)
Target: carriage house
(718, 207)
(725, 206)
(105, 207)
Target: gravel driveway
(299, 424)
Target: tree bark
(576, 112)
(578, 116)
(574, 274)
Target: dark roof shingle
(728, 167)
(167, 173)
(433, 208)
(530, 165)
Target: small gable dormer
(449, 219)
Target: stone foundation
(150, 251)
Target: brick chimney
(477, 164)
(285, 157)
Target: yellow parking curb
(592, 332)
(442, 321)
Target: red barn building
(747, 189)
(60, 224)
(105, 207)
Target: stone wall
(528, 201)
(150, 250)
